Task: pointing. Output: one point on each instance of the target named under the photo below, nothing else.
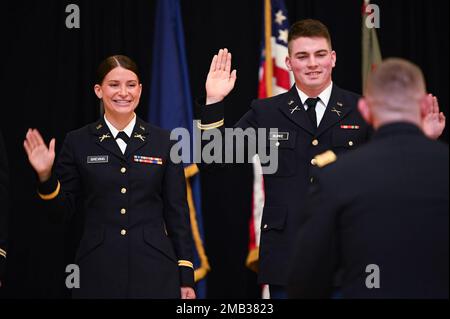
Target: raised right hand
(40, 157)
(219, 81)
(433, 120)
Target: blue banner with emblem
(171, 107)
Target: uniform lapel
(104, 138)
(335, 111)
(293, 108)
(138, 138)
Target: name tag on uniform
(97, 159)
(148, 159)
(278, 136)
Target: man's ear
(98, 91)
(333, 58)
(364, 110)
(288, 63)
(426, 105)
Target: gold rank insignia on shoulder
(325, 158)
(104, 136)
(142, 138)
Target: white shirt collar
(324, 96)
(128, 129)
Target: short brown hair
(113, 62)
(396, 83)
(308, 28)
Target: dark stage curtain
(48, 76)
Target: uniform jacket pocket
(284, 144)
(155, 237)
(342, 138)
(274, 217)
(89, 243)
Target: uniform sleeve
(4, 206)
(212, 116)
(61, 191)
(314, 259)
(176, 216)
(233, 150)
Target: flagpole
(268, 40)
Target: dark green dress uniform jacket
(341, 129)
(3, 206)
(385, 204)
(137, 240)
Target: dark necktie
(311, 111)
(123, 136)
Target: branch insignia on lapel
(336, 110)
(296, 108)
(139, 136)
(104, 136)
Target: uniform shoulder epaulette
(325, 158)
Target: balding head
(394, 92)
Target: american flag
(274, 79)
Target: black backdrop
(47, 79)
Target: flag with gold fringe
(171, 107)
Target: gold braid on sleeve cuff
(51, 195)
(210, 126)
(2, 252)
(185, 263)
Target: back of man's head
(308, 28)
(395, 86)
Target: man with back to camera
(388, 231)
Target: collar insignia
(336, 111)
(139, 136)
(104, 136)
(296, 108)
